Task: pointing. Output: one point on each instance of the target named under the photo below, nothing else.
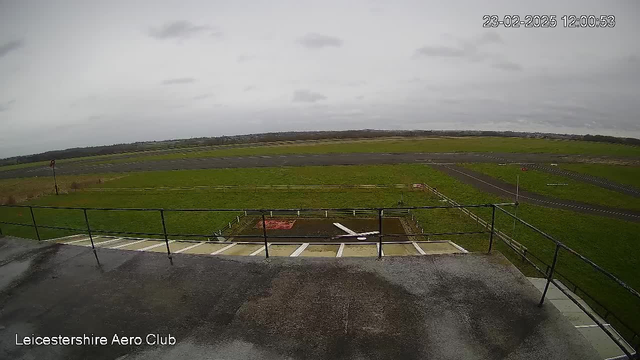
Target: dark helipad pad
(413, 307)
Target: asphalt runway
(308, 160)
(508, 191)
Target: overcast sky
(79, 73)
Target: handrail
(263, 209)
(378, 212)
(581, 257)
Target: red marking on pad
(276, 224)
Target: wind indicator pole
(52, 165)
(516, 210)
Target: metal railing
(550, 271)
(378, 213)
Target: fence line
(380, 213)
(550, 269)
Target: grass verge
(629, 175)
(537, 181)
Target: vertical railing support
(493, 223)
(379, 233)
(166, 237)
(93, 246)
(35, 226)
(264, 234)
(550, 276)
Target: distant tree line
(293, 136)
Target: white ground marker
(77, 241)
(156, 245)
(108, 241)
(458, 247)
(259, 251)
(188, 248)
(65, 237)
(223, 249)
(299, 250)
(378, 248)
(123, 245)
(340, 250)
(418, 248)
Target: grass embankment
(536, 181)
(610, 243)
(629, 175)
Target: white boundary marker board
(127, 244)
(299, 250)
(188, 248)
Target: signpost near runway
(52, 165)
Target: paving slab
(281, 250)
(601, 342)
(320, 251)
(115, 243)
(438, 248)
(399, 250)
(174, 246)
(136, 245)
(205, 248)
(242, 249)
(360, 251)
(70, 238)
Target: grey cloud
(6, 106)
(489, 38)
(178, 81)
(249, 88)
(317, 41)
(244, 58)
(507, 65)
(441, 51)
(10, 46)
(307, 96)
(466, 48)
(201, 97)
(181, 29)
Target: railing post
(264, 234)
(493, 223)
(35, 226)
(550, 277)
(166, 237)
(86, 220)
(379, 233)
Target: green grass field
(536, 181)
(473, 144)
(391, 145)
(610, 243)
(21, 189)
(629, 175)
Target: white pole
(516, 210)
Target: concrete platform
(603, 344)
(471, 306)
